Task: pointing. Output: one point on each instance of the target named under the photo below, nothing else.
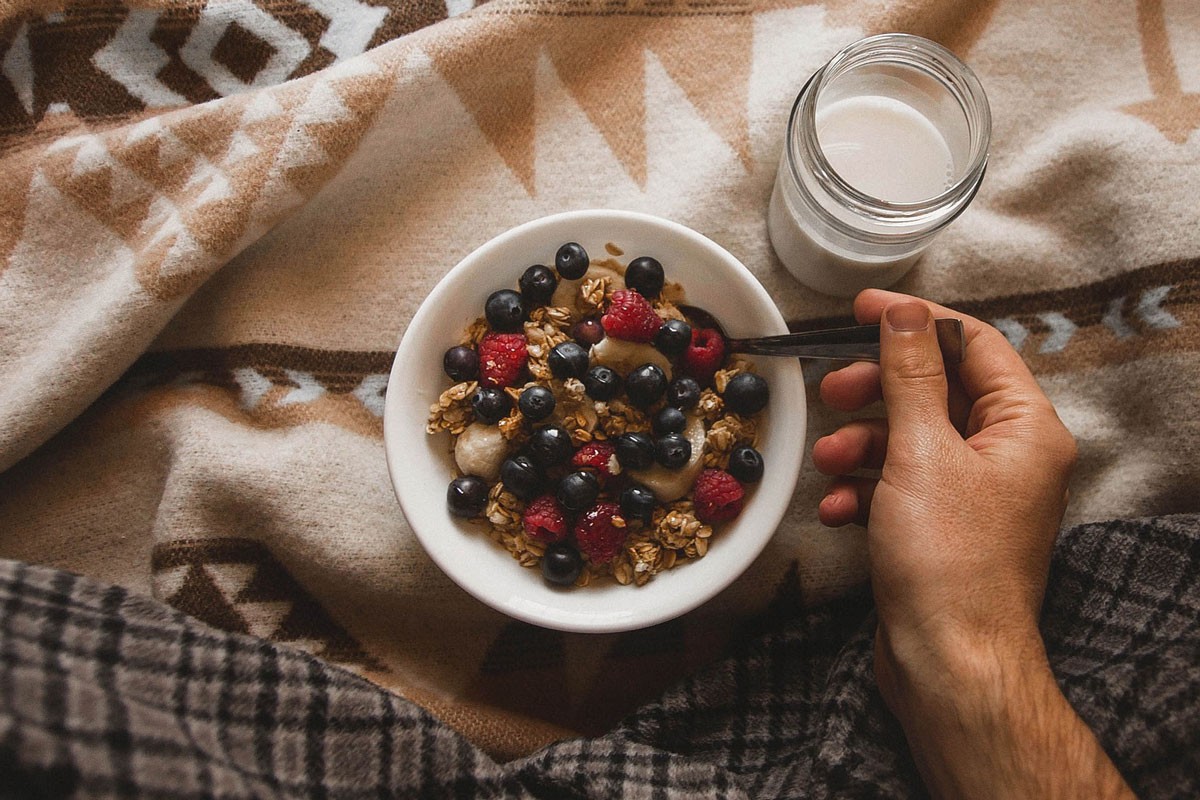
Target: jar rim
(917, 53)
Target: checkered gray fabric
(104, 694)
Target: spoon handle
(857, 343)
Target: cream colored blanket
(216, 221)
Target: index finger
(990, 364)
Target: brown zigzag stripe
(195, 592)
(1149, 311)
(1089, 304)
(1085, 303)
(336, 370)
(105, 60)
(266, 386)
(262, 407)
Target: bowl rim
(406, 490)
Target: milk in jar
(886, 145)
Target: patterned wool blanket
(178, 709)
(217, 219)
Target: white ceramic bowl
(421, 465)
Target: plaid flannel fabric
(106, 694)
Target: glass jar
(886, 145)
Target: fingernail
(908, 317)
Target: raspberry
(631, 317)
(717, 496)
(704, 355)
(502, 356)
(544, 520)
(596, 533)
(600, 456)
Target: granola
(543, 333)
(452, 412)
(642, 517)
(725, 434)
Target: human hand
(973, 471)
(973, 483)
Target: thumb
(913, 376)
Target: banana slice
(480, 450)
(671, 484)
(624, 356)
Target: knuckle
(1069, 450)
(1059, 445)
(991, 338)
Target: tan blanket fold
(216, 221)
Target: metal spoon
(855, 343)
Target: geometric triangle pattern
(182, 189)
(1130, 316)
(1174, 112)
(106, 60)
(957, 26)
(277, 385)
(238, 585)
(611, 88)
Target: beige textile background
(216, 221)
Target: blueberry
(536, 403)
(602, 383)
(505, 311)
(490, 405)
(588, 332)
(578, 490)
(568, 360)
(549, 446)
(645, 276)
(571, 260)
(537, 285)
(746, 393)
(466, 496)
(638, 502)
(645, 385)
(521, 477)
(672, 451)
(683, 393)
(746, 464)
(461, 363)
(669, 420)
(673, 337)
(561, 564)
(635, 450)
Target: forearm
(992, 724)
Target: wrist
(991, 722)
(962, 678)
